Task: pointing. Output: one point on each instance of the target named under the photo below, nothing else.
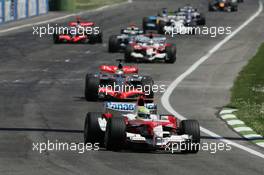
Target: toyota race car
(78, 32)
(138, 125)
(223, 5)
(150, 48)
(120, 83)
(119, 42)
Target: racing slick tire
(115, 135)
(56, 38)
(127, 55)
(201, 21)
(210, 8)
(92, 131)
(161, 26)
(191, 127)
(113, 44)
(96, 38)
(144, 24)
(91, 87)
(147, 83)
(234, 8)
(171, 54)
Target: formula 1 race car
(119, 42)
(119, 83)
(78, 32)
(177, 27)
(192, 14)
(138, 125)
(189, 15)
(223, 5)
(150, 23)
(150, 48)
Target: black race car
(119, 42)
(223, 5)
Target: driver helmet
(164, 11)
(119, 72)
(151, 42)
(143, 112)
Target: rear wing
(127, 107)
(112, 69)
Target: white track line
(60, 18)
(165, 98)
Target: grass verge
(91, 4)
(248, 93)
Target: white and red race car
(150, 48)
(120, 127)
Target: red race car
(78, 32)
(128, 124)
(117, 83)
(150, 48)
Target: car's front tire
(113, 44)
(192, 128)
(115, 135)
(92, 131)
(171, 54)
(128, 52)
(91, 87)
(147, 83)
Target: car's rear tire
(128, 52)
(56, 38)
(95, 38)
(234, 8)
(144, 24)
(91, 87)
(115, 135)
(161, 26)
(210, 8)
(147, 83)
(171, 54)
(92, 131)
(191, 127)
(202, 20)
(113, 44)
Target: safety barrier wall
(12, 10)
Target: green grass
(248, 93)
(90, 4)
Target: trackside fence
(12, 10)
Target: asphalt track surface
(42, 84)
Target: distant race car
(223, 5)
(138, 125)
(187, 14)
(119, 83)
(75, 33)
(119, 42)
(150, 48)
(177, 27)
(192, 14)
(150, 23)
